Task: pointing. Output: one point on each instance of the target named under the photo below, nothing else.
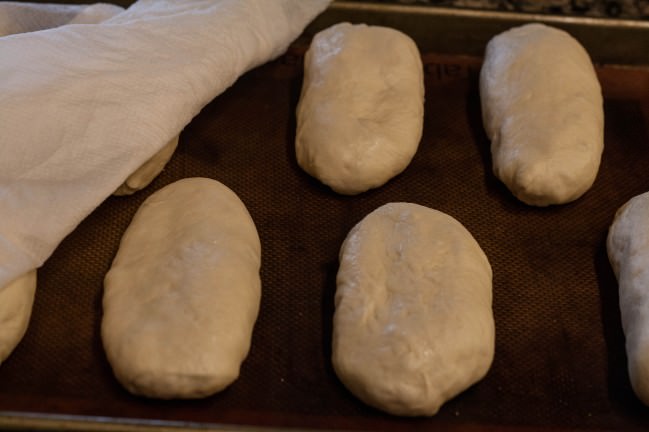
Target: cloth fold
(19, 17)
(84, 105)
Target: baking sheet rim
(10, 420)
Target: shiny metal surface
(437, 30)
(457, 31)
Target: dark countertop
(635, 9)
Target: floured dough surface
(144, 175)
(413, 324)
(360, 115)
(182, 294)
(628, 252)
(16, 301)
(542, 109)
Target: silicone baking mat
(559, 361)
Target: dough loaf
(361, 111)
(16, 301)
(413, 324)
(182, 295)
(628, 252)
(149, 170)
(542, 110)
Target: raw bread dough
(413, 325)
(361, 111)
(542, 110)
(16, 301)
(183, 292)
(148, 171)
(628, 252)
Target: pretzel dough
(183, 292)
(413, 325)
(628, 252)
(16, 301)
(361, 111)
(542, 110)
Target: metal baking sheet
(560, 361)
(460, 31)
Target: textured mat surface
(559, 359)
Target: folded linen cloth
(17, 297)
(18, 17)
(82, 106)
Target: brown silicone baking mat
(559, 363)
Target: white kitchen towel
(19, 17)
(84, 105)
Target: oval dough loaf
(182, 295)
(413, 325)
(361, 111)
(542, 110)
(628, 252)
(16, 301)
(149, 170)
